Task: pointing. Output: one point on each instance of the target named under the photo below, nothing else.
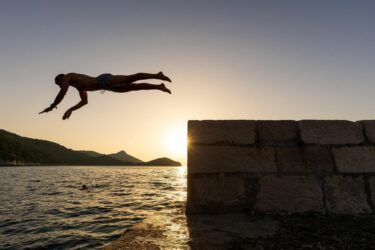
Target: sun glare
(176, 142)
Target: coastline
(87, 165)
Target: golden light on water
(181, 172)
(176, 142)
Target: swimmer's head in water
(59, 79)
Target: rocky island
(16, 150)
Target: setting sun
(176, 142)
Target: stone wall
(323, 166)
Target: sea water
(46, 207)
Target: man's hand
(48, 109)
(83, 102)
(67, 114)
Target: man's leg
(118, 79)
(140, 86)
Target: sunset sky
(227, 59)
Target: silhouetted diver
(115, 83)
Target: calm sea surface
(45, 208)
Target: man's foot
(163, 77)
(164, 89)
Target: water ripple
(46, 208)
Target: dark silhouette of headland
(16, 150)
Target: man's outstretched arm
(83, 102)
(60, 95)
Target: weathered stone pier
(323, 166)
(270, 185)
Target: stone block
(358, 159)
(290, 194)
(369, 126)
(371, 182)
(290, 160)
(277, 132)
(318, 160)
(330, 132)
(213, 192)
(346, 195)
(221, 132)
(226, 159)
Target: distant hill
(91, 153)
(123, 156)
(163, 162)
(18, 150)
(120, 156)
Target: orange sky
(227, 60)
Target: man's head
(59, 79)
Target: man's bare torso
(83, 82)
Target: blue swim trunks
(104, 81)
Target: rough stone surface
(291, 160)
(360, 159)
(220, 232)
(371, 182)
(215, 192)
(212, 132)
(226, 159)
(346, 195)
(318, 160)
(291, 194)
(281, 166)
(330, 132)
(369, 126)
(277, 132)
